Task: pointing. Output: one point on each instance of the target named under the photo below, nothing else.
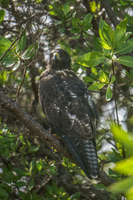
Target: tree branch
(110, 12)
(31, 124)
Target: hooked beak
(56, 56)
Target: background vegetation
(98, 36)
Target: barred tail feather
(84, 154)
(90, 158)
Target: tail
(84, 154)
(90, 156)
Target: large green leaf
(122, 186)
(120, 33)
(126, 60)
(125, 48)
(125, 166)
(91, 59)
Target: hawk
(67, 104)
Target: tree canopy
(98, 36)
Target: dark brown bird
(67, 104)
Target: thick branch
(42, 133)
(31, 124)
(110, 12)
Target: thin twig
(23, 78)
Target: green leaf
(87, 21)
(66, 8)
(20, 172)
(31, 184)
(52, 12)
(130, 75)
(126, 60)
(10, 177)
(125, 48)
(33, 149)
(75, 37)
(3, 193)
(21, 44)
(76, 22)
(96, 86)
(109, 94)
(88, 79)
(114, 156)
(102, 26)
(4, 44)
(125, 166)
(49, 189)
(103, 77)
(54, 186)
(121, 27)
(113, 78)
(88, 18)
(2, 14)
(61, 30)
(39, 165)
(91, 59)
(30, 52)
(75, 196)
(75, 30)
(21, 184)
(3, 77)
(122, 186)
(120, 33)
(32, 165)
(106, 35)
(105, 45)
(114, 174)
(10, 59)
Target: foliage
(124, 166)
(101, 53)
(22, 177)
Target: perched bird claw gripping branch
(67, 104)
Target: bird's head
(59, 59)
